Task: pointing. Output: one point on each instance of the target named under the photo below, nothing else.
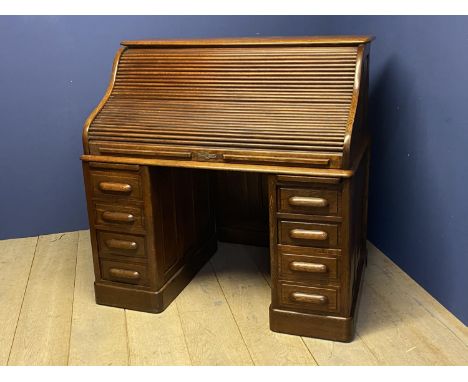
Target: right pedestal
(318, 253)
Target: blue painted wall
(418, 207)
(54, 70)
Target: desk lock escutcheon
(205, 156)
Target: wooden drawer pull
(118, 217)
(305, 201)
(124, 274)
(308, 234)
(309, 298)
(123, 188)
(301, 266)
(121, 244)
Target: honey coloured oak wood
(282, 121)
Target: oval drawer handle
(309, 298)
(306, 201)
(121, 244)
(308, 234)
(124, 274)
(119, 217)
(302, 266)
(123, 188)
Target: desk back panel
(241, 207)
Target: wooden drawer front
(304, 267)
(124, 272)
(123, 218)
(308, 234)
(115, 184)
(123, 245)
(309, 201)
(309, 298)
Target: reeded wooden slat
(202, 83)
(178, 121)
(231, 105)
(197, 137)
(200, 131)
(161, 115)
(252, 124)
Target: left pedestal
(152, 229)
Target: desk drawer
(308, 234)
(308, 201)
(309, 298)
(307, 267)
(120, 272)
(121, 218)
(105, 184)
(118, 244)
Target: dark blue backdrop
(54, 70)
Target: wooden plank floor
(49, 316)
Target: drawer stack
(152, 229)
(309, 254)
(119, 224)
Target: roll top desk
(283, 123)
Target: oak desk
(282, 120)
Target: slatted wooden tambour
(283, 120)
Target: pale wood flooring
(48, 315)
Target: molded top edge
(255, 41)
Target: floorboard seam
(232, 313)
(421, 304)
(129, 357)
(183, 332)
(22, 300)
(73, 298)
(310, 352)
(368, 348)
